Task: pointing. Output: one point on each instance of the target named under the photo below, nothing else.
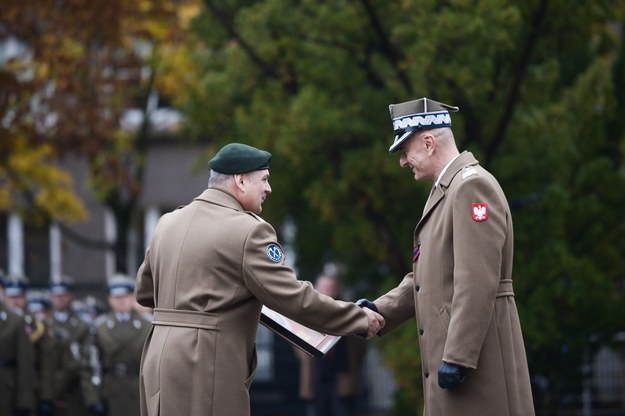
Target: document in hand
(310, 341)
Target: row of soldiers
(57, 362)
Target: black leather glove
(365, 303)
(45, 408)
(97, 409)
(450, 375)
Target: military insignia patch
(469, 172)
(479, 211)
(274, 253)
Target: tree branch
(387, 48)
(513, 93)
(229, 26)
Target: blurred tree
(539, 84)
(70, 73)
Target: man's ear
(429, 142)
(239, 181)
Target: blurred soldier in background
(331, 385)
(38, 303)
(146, 312)
(113, 355)
(16, 363)
(70, 334)
(90, 309)
(15, 299)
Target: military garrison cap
(239, 158)
(15, 286)
(38, 301)
(121, 285)
(416, 115)
(65, 285)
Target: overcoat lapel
(465, 159)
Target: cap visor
(398, 141)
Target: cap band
(60, 288)
(414, 122)
(120, 290)
(13, 291)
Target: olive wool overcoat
(208, 269)
(461, 293)
(116, 348)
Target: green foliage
(539, 91)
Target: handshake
(376, 321)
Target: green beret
(239, 158)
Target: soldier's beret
(416, 115)
(121, 285)
(239, 158)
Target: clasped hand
(376, 321)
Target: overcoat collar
(465, 159)
(218, 197)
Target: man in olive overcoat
(40, 338)
(69, 333)
(17, 363)
(110, 376)
(460, 289)
(208, 269)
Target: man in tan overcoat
(460, 289)
(208, 269)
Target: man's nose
(403, 161)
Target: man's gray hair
(444, 135)
(217, 179)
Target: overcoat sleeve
(144, 288)
(397, 306)
(477, 251)
(275, 285)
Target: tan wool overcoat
(461, 293)
(208, 269)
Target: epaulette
(468, 171)
(255, 216)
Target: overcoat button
(421, 331)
